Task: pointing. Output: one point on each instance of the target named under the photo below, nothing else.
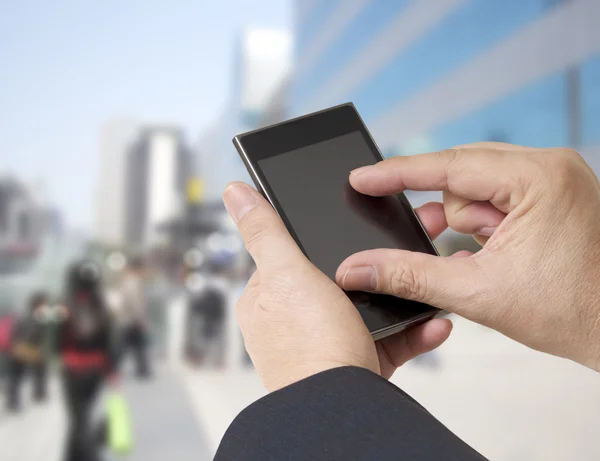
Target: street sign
(195, 190)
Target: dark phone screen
(332, 221)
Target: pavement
(36, 433)
(218, 396)
(164, 424)
(507, 401)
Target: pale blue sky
(67, 66)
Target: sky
(67, 66)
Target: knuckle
(556, 159)
(406, 282)
(452, 160)
(563, 167)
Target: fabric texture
(341, 414)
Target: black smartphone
(302, 167)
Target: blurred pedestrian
(211, 287)
(88, 358)
(133, 317)
(25, 352)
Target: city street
(489, 390)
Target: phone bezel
(273, 140)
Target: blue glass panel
(590, 102)
(317, 19)
(533, 116)
(462, 35)
(371, 21)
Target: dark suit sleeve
(341, 414)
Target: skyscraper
(262, 58)
(157, 167)
(115, 138)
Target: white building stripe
(413, 23)
(303, 9)
(343, 15)
(564, 37)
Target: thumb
(447, 283)
(265, 236)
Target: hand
(296, 322)
(537, 214)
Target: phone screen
(331, 221)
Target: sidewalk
(507, 401)
(218, 397)
(37, 432)
(164, 424)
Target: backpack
(7, 324)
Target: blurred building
(23, 217)
(430, 75)
(157, 167)
(262, 58)
(277, 106)
(115, 138)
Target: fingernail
(360, 170)
(239, 200)
(360, 278)
(486, 231)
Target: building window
(535, 116)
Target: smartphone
(302, 167)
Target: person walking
(25, 353)
(88, 360)
(133, 317)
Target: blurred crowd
(114, 308)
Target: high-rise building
(277, 108)
(427, 75)
(115, 139)
(262, 58)
(157, 169)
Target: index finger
(481, 173)
(265, 236)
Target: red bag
(6, 330)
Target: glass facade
(556, 108)
(533, 116)
(318, 18)
(375, 16)
(461, 36)
(590, 101)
